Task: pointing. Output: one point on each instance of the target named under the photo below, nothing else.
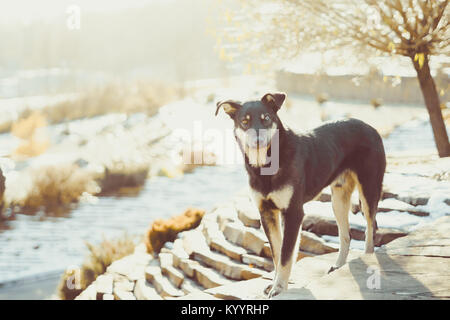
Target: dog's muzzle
(258, 139)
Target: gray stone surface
(309, 242)
(247, 212)
(400, 277)
(123, 295)
(104, 284)
(242, 290)
(260, 262)
(145, 291)
(431, 240)
(228, 257)
(162, 285)
(327, 226)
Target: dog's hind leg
(369, 204)
(341, 191)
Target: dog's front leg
(292, 221)
(271, 222)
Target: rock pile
(227, 249)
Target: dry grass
(140, 97)
(58, 186)
(99, 258)
(26, 127)
(162, 231)
(33, 144)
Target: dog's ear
(274, 100)
(230, 107)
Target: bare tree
(416, 29)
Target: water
(36, 244)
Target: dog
(343, 154)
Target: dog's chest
(281, 197)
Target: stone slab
(242, 290)
(432, 239)
(145, 291)
(380, 276)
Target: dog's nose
(258, 141)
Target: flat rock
(312, 268)
(386, 235)
(227, 248)
(327, 226)
(90, 293)
(175, 276)
(198, 296)
(194, 240)
(260, 262)
(249, 238)
(249, 289)
(412, 189)
(123, 295)
(226, 215)
(380, 276)
(211, 230)
(225, 266)
(104, 284)
(162, 285)
(131, 266)
(188, 267)
(108, 297)
(178, 252)
(395, 204)
(309, 242)
(145, 291)
(432, 239)
(247, 212)
(234, 233)
(254, 240)
(124, 285)
(209, 278)
(190, 286)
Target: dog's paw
(273, 290)
(332, 269)
(267, 289)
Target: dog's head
(255, 124)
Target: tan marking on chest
(281, 197)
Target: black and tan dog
(287, 170)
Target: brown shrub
(26, 129)
(58, 186)
(99, 258)
(162, 231)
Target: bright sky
(29, 10)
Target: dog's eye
(266, 118)
(244, 122)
